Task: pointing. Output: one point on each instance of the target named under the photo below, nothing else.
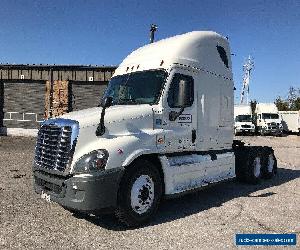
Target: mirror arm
(174, 115)
(101, 128)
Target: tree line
(291, 102)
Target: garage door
(86, 96)
(23, 104)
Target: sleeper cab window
(181, 92)
(223, 55)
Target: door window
(176, 88)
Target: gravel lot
(203, 220)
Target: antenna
(247, 67)
(153, 28)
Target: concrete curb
(18, 132)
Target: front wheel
(139, 193)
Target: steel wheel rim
(271, 162)
(142, 194)
(257, 167)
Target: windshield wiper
(124, 101)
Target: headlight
(91, 162)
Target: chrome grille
(272, 125)
(246, 126)
(53, 147)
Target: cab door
(180, 110)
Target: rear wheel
(139, 194)
(241, 155)
(253, 171)
(249, 164)
(269, 166)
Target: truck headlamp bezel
(91, 162)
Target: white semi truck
(243, 120)
(290, 121)
(267, 119)
(164, 128)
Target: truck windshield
(243, 118)
(136, 88)
(270, 116)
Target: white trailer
(243, 120)
(290, 121)
(164, 128)
(267, 119)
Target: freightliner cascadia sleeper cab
(164, 127)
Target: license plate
(45, 196)
(246, 130)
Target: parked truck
(267, 119)
(290, 121)
(243, 120)
(164, 128)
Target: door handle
(194, 135)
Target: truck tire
(240, 155)
(75, 212)
(269, 164)
(248, 164)
(139, 194)
(253, 170)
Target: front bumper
(81, 193)
(272, 131)
(244, 130)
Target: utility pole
(51, 94)
(247, 67)
(1, 103)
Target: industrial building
(32, 93)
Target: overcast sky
(104, 32)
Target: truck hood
(119, 119)
(85, 117)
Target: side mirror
(184, 94)
(108, 102)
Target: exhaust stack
(153, 28)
